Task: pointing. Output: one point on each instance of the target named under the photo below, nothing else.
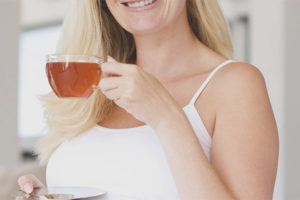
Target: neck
(167, 52)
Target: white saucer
(78, 192)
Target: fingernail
(28, 188)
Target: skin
(234, 107)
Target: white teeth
(140, 3)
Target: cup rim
(79, 58)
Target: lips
(138, 3)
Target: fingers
(28, 183)
(114, 68)
(110, 59)
(110, 87)
(113, 94)
(110, 83)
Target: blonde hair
(90, 28)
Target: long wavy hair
(90, 28)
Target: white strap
(199, 91)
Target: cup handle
(95, 87)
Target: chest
(182, 91)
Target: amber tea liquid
(73, 79)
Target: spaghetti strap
(202, 87)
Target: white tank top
(127, 163)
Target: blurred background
(265, 33)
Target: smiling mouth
(138, 4)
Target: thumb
(28, 183)
(110, 59)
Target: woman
(174, 119)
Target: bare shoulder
(239, 81)
(245, 147)
(242, 73)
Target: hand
(137, 91)
(29, 183)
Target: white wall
(292, 98)
(40, 12)
(9, 36)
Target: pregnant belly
(124, 169)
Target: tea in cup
(73, 75)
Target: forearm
(194, 176)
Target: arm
(245, 142)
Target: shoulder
(238, 82)
(236, 77)
(245, 132)
(242, 73)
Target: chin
(145, 16)
(138, 16)
(140, 26)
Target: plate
(77, 192)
